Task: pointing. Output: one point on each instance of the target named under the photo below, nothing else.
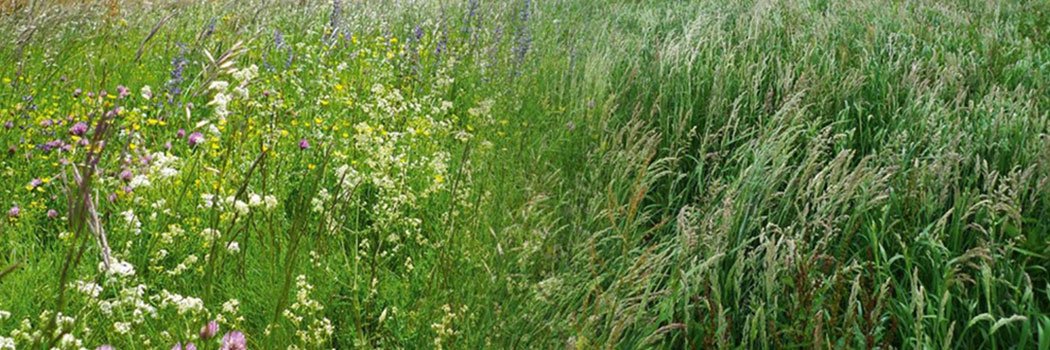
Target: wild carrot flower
(234, 341)
(209, 330)
(195, 139)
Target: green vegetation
(526, 174)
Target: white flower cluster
(181, 303)
(221, 101)
(267, 202)
(117, 268)
(313, 331)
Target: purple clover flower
(210, 330)
(195, 139)
(234, 341)
(78, 129)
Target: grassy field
(529, 174)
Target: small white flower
(139, 181)
(117, 267)
(218, 85)
(241, 207)
(271, 202)
(122, 327)
(147, 92)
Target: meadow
(504, 174)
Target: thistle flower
(51, 213)
(181, 133)
(126, 175)
(304, 144)
(195, 139)
(14, 212)
(78, 129)
(234, 341)
(9, 124)
(210, 329)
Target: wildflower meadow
(524, 174)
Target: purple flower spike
(9, 124)
(106, 347)
(304, 144)
(190, 346)
(51, 213)
(123, 91)
(126, 175)
(14, 212)
(195, 139)
(78, 129)
(181, 133)
(210, 330)
(234, 341)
